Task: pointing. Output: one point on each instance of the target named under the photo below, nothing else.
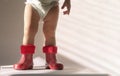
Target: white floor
(40, 71)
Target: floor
(41, 71)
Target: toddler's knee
(30, 30)
(49, 33)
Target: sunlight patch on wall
(90, 35)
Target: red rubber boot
(50, 52)
(26, 61)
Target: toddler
(48, 11)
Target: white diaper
(42, 6)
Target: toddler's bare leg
(49, 27)
(31, 19)
(50, 48)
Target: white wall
(89, 37)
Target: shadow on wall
(11, 30)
